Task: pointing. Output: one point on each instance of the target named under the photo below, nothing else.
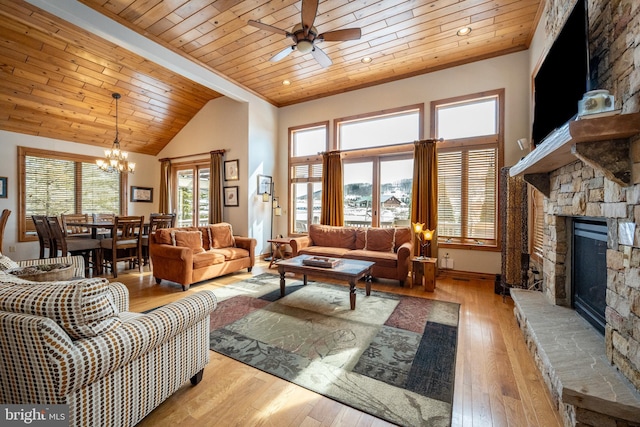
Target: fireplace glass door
(589, 270)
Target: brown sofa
(389, 248)
(188, 255)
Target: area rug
(392, 357)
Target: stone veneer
(577, 190)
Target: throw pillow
(188, 239)
(83, 308)
(7, 263)
(380, 239)
(222, 234)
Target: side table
(277, 249)
(423, 272)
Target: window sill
(469, 246)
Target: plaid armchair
(74, 343)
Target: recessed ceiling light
(286, 82)
(366, 60)
(464, 31)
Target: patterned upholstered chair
(75, 343)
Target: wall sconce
(424, 236)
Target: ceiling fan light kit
(305, 35)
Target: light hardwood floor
(496, 383)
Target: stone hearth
(570, 354)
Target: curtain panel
(215, 188)
(164, 198)
(424, 195)
(332, 212)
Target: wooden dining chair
(88, 248)
(44, 235)
(107, 218)
(125, 243)
(3, 223)
(75, 231)
(156, 221)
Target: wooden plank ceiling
(57, 79)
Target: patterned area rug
(392, 357)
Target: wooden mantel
(602, 143)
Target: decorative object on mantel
(424, 236)
(595, 101)
(44, 272)
(116, 159)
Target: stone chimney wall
(579, 190)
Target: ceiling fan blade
(267, 27)
(322, 58)
(280, 55)
(341, 35)
(309, 11)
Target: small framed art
(264, 184)
(142, 194)
(231, 196)
(231, 170)
(3, 187)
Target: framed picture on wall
(3, 187)
(264, 184)
(142, 194)
(231, 196)
(231, 170)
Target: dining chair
(89, 248)
(3, 223)
(156, 221)
(75, 231)
(125, 243)
(107, 218)
(44, 235)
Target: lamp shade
(304, 46)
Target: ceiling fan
(305, 35)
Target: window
(378, 166)
(468, 164)
(305, 174)
(53, 183)
(192, 194)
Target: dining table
(101, 228)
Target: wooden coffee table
(350, 270)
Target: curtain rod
(192, 155)
(381, 146)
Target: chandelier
(116, 159)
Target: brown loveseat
(192, 254)
(389, 248)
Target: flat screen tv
(563, 77)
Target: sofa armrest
(248, 243)
(174, 263)
(298, 243)
(76, 261)
(132, 339)
(120, 295)
(404, 256)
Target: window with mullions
(54, 183)
(468, 163)
(305, 174)
(378, 165)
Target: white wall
(510, 72)
(247, 132)
(146, 176)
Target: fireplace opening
(589, 270)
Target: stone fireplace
(590, 169)
(587, 172)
